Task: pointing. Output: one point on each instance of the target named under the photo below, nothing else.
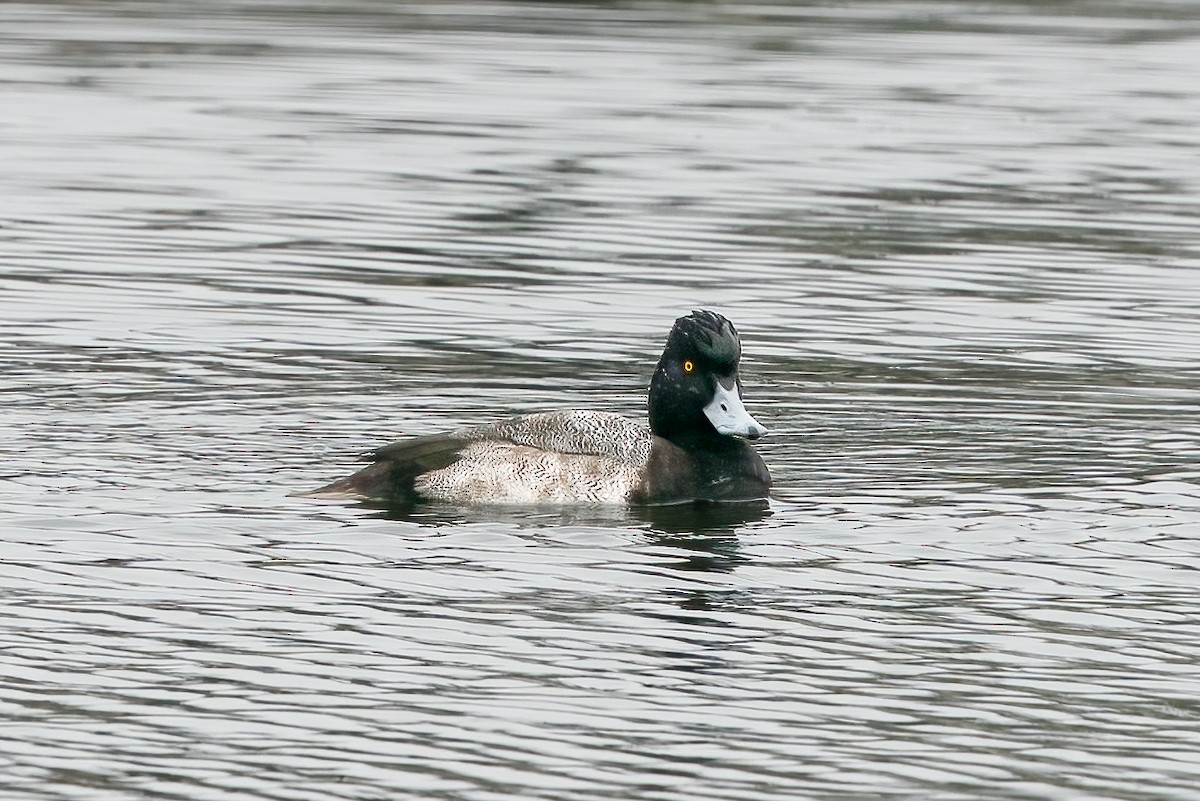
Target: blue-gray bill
(728, 414)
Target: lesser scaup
(696, 448)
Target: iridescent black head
(696, 388)
(712, 336)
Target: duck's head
(696, 388)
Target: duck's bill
(728, 414)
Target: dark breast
(723, 470)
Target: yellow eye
(688, 366)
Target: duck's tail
(394, 468)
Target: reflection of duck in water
(695, 449)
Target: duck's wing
(395, 468)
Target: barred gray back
(572, 431)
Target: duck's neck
(700, 440)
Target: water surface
(243, 243)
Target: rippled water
(243, 242)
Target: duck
(696, 447)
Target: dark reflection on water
(680, 520)
(670, 521)
(241, 242)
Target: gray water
(242, 242)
